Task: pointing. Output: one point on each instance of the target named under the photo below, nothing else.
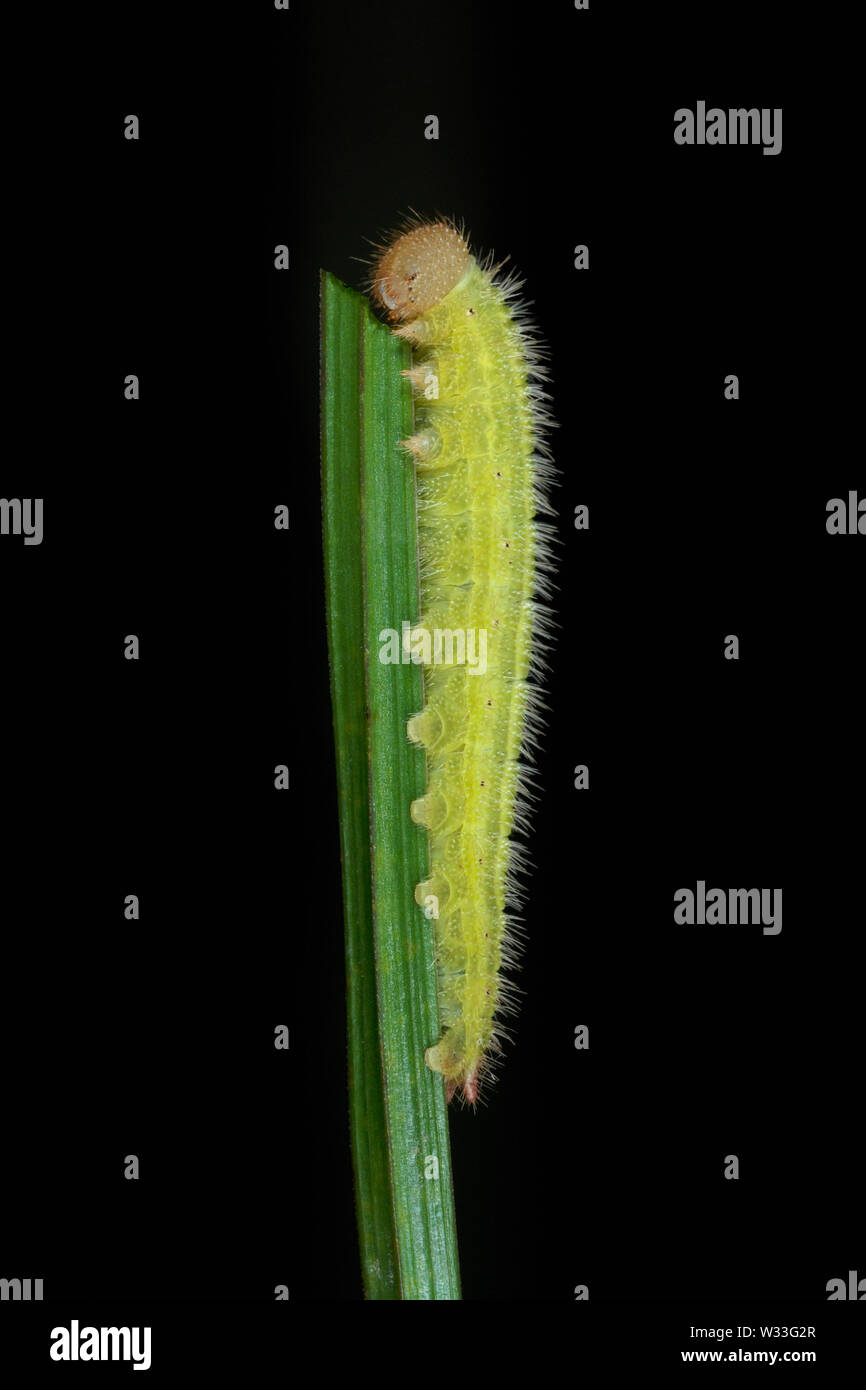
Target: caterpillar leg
(449, 1058)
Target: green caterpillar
(483, 472)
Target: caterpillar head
(419, 269)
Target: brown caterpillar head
(419, 269)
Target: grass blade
(406, 974)
(341, 310)
(399, 1122)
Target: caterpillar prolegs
(483, 473)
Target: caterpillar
(483, 470)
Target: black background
(707, 517)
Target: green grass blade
(398, 1115)
(341, 311)
(406, 975)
